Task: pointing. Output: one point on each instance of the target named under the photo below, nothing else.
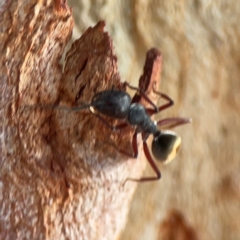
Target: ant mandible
(118, 104)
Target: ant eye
(165, 146)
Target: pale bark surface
(199, 41)
(60, 177)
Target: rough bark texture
(60, 177)
(199, 41)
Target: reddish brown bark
(60, 178)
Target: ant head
(165, 146)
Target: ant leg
(114, 128)
(134, 147)
(173, 122)
(162, 107)
(156, 109)
(153, 165)
(142, 94)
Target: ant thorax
(113, 103)
(138, 116)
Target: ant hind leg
(173, 122)
(153, 165)
(134, 147)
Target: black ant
(118, 104)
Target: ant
(118, 104)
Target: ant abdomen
(165, 146)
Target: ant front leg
(151, 162)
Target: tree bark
(60, 176)
(199, 41)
